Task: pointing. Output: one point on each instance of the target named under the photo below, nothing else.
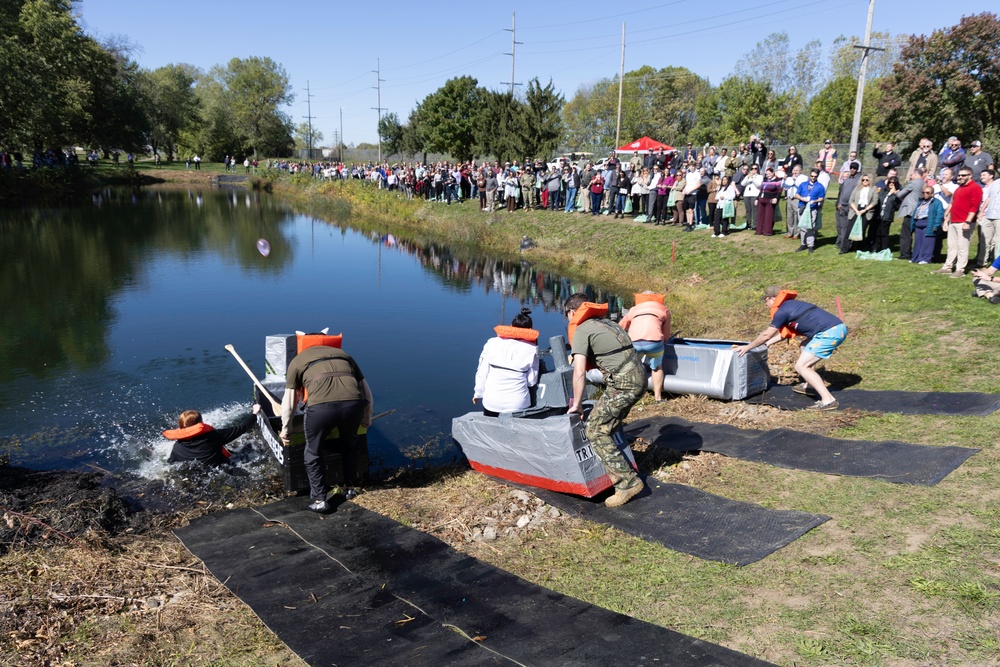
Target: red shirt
(966, 200)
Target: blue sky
(334, 45)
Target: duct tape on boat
(277, 448)
(587, 452)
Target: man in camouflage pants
(527, 180)
(600, 341)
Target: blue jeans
(700, 213)
(595, 203)
(570, 199)
(620, 203)
(554, 200)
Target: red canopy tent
(643, 146)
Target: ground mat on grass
(889, 461)
(693, 521)
(900, 402)
(356, 588)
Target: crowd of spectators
(749, 187)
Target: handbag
(672, 199)
(728, 208)
(857, 231)
(806, 218)
(628, 205)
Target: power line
(309, 119)
(513, 44)
(379, 109)
(856, 124)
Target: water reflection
(117, 315)
(63, 269)
(527, 284)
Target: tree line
(465, 120)
(60, 87)
(936, 86)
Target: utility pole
(340, 144)
(379, 109)
(856, 126)
(621, 83)
(513, 44)
(309, 137)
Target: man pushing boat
(596, 340)
(337, 396)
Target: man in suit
(910, 196)
(887, 159)
(844, 208)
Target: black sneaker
(350, 494)
(995, 299)
(319, 506)
(812, 250)
(801, 248)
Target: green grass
(909, 329)
(901, 575)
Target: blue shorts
(651, 351)
(824, 343)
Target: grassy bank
(901, 576)
(901, 317)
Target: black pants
(905, 239)
(720, 224)
(878, 235)
(320, 419)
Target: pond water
(115, 317)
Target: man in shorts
(823, 331)
(648, 325)
(692, 181)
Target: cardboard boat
(279, 350)
(710, 367)
(542, 446)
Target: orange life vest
(189, 432)
(643, 298)
(586, 311)
(783, 296)
(305, 341)
(517, 333)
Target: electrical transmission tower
(513, 44)
(379, 108)
(309, 119)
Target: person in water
(194, 440)
(508, 367)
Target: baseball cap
(771, 292)
(827, 142)
(977, 143)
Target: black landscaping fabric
(901, 402)
(356, 588)
(889, 461)
(693, 521)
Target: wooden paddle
(275, 404)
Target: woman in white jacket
(508, 367)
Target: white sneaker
(715, 236)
